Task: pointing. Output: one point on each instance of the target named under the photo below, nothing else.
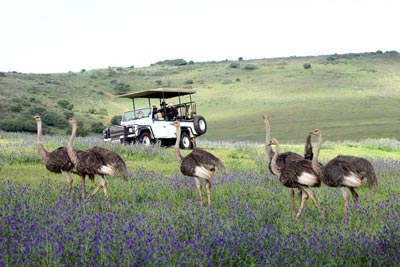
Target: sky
(58, 36)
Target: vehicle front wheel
(185, 141)
(145, 139)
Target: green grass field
(349, 97)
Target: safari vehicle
(148, 126)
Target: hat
(154, 106)
(163, 103)
(170, 105)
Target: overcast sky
(49, 36)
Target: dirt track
(110, 100)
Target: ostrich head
(73, 120)
(273, 142)
(37, 118)
(265, 117)
(316, 132)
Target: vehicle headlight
(130, 130)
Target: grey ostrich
(95, 161)
(344, 172)
(282, 157)
(197, 164)
(295, 172)
(56, 161)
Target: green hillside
(350, 97)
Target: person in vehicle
(172, 112)
(163, 110)
(155, 111)
(140, 115)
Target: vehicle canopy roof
(160, 93)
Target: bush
(53, 119)
(116, 120)
(307, 66)
(96, 127)
(250, 67)
(65, 104)
(173, 62)
(234, 65)
(122, 88)
(20, 124)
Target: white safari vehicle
(151, 124)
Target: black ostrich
(56, 161)
(284, 158)
(296, 172)
(344, 172)
(197, 164)
(95, 161)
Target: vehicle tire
(145, 139)
(185, 141)
(200, 125)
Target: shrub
(116, 120)
(307, 66)
(122, 88)
(250, 67)
(96, 127)
(53, 119)
(234, 65)
(173, 62)
(65, 104)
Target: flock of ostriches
(294, 171)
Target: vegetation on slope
(352, 96)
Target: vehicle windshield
(136, 114)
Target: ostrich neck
(273, 161)
(268, 148)
(314, 162)
(178, 154)
(71, 152)
(42, 151)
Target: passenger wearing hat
(172, 113)
(163, 110)
(155, 111)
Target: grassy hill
(352, 96)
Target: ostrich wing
(298, 171)
(208, 160)
(284, 158)
(111, 158)
(58, 161)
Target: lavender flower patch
(155, 220)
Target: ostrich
(56, 161)
(344, 171)
(281, 160)
(197, 164)
(95, 161)
(296, 172)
